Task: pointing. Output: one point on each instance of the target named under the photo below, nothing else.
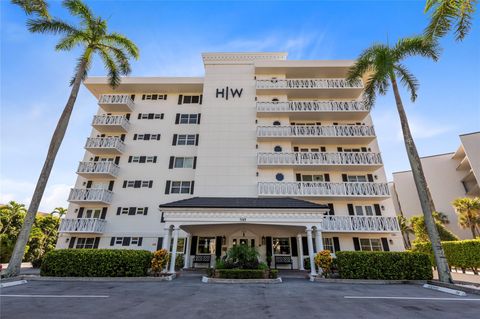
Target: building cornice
(241, 58)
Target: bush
(241, 257)
(323, 260)
(463, 254)
(159, 261)
(179, 262)
(241, 273)
(383, 265)
(96, 263)
(273, 274)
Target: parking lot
(187, 297)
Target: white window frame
(357, 178)
(93, 212)
(370, 245)
(182, 162)
(328, 244)
(275, 246)
(180, 187)
(188, 119)
(83, 242)
(186, 139)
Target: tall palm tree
(448, 14)
(468, 210)
(381, 66)
(114, 49)
(60, 211)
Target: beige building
(449, 176)
(276, 154)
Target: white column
(167, 235)
(300, 252)
(318, 240)
(313, 272)
(173, 255)
(186, 256)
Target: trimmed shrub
(463, 254)
(96, 263)
(383, 265)
(159, 261)
(273, 274)
(241, 273)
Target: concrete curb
(366, 281)
(12, 283)
(101, 279)
(455, 287)
(445, 290)
(209, 280)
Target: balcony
(367, 224)
(313, 88)
(335, 134)
(90, 196)
(82, 225)
(116, 103)
(102, 169)
(320, 160)
(325, 190)
(111, 123)
(309, 110)
(105, 145)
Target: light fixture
(390, 241)
(383, 207)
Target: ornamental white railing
(319, 158)
(323, 189)
(312, 106)
(102, 167)
(119, 120)
(316, 130)
(116, 99)
(360, 223)
(329, 83)
(82, 225)
(90, 195)
(105, 142)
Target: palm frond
(78, 8)
(54, 26)
(85, 58)
(417, 45)
(464, 21)
(39, 7)
(120, 40)
(70, 41)
(443, 13)
(113, 73)
(121, 59)
(365, 63)
(408, 80)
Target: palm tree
(381, 66)
(39, 7)
(114, 49)
(468, 210)
(406, 229)
(60, 211)
(446, 14)
(442, 218)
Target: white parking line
(411, 298)
(56, 296)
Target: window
(277, 148)
(279, 177)
(180, 187)
(118, 240)
(328, 244)
(92, 213)
(364, 210)
(356, 178)
(154, 97)
(137, 184)
(142, 159)
(187, 119)
(191, 99)
(150, 116)
(146, 137)
(85, 242)
(183, 162)
(135, 241)
(276, 123)
(312, 178)
(186, 139)
(281, 246)
(180, 245)
(370, 244)
(126, 241)
(206, 245)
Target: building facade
(277, 154)
(449, 176)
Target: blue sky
(171, 37)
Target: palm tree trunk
(57, 138)
(472, 228)
(423, 193)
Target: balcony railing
(312, 106)
(319, 158)
(105, 144)
(324, 189)
(111, 123)
(82, 225)
(98, 168)
(329, 83)
(116, 102)
(93, 195)
(316, 131)
(360, 224)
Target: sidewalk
(26, 269)
(459, 276)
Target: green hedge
(383, 265)
(96, 263)
(245, 273)
(462, 253)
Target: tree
(11, 220)
(381, 66)
(39, 7)
(114, 49)
(60, 211)
(406, 229)
(12, 211)
(43, 238)
(468, 210)
(421, 234)
(448, 14)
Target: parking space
(187, 297)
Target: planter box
(209, 280)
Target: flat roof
(244, 202)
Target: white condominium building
(280, 155)
(449, 176)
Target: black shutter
(196, 139)
(89, 184)
(177, 118)
(150, 184)
(331, 209)
(117, 160)
(193, 246)
(167, 187)
(378, 212)
(295, 148)
(130, 159)
(134, 137)
(192, 187)
(163, 115)
(154, 159)
(158, 137)
(110, 185)
(323, 149)
(170, 164)
(132, 210)
(142, 159)
(218, 246)
(137, 184)
(96, 158)
(119, 210)
(356, 243)
(132, 97)
(80, 212)
(370, 178)
(198, 118)
(336, 244)
(351, 212)
(96, 242)
(174, 141)
(146, 137)
(201, 99)
(305, 246)
(140, 239)
(269, 245)
(194, 162)
(150, 116)
(112, 241)
(364, 149)
(159, 243)
(180, 97)
(298, 177)
(127, 116)
(294, 246)
(124, 184)
(104, 213)
(122, 137)
(145, 211)
(339, 149)
(344, 178)
(385, 244)
(139, 116)
(327, 177)
(71, 244)
(126, 241)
